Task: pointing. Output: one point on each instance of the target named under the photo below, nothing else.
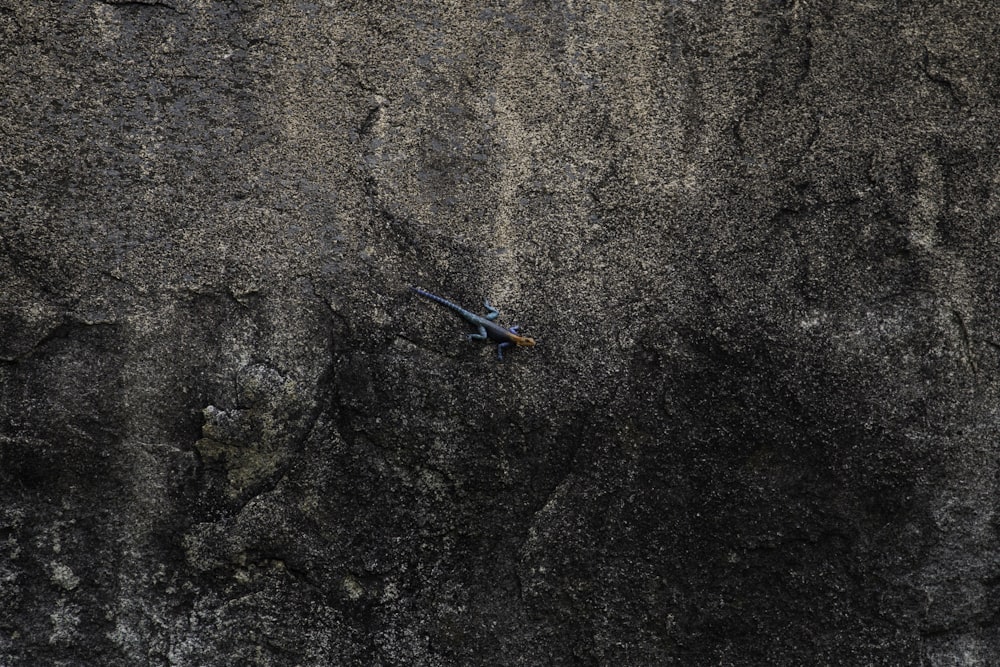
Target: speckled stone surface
(757, 242)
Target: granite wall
(756, 241)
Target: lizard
(487, 328)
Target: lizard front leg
(500, 348)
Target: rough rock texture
(757, 241)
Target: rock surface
(757, 242)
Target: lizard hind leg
(491, 312)
(480, 335)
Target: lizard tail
(444, 302)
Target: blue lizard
(487, 328)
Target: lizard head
(523, 341)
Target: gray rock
(756, 242)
